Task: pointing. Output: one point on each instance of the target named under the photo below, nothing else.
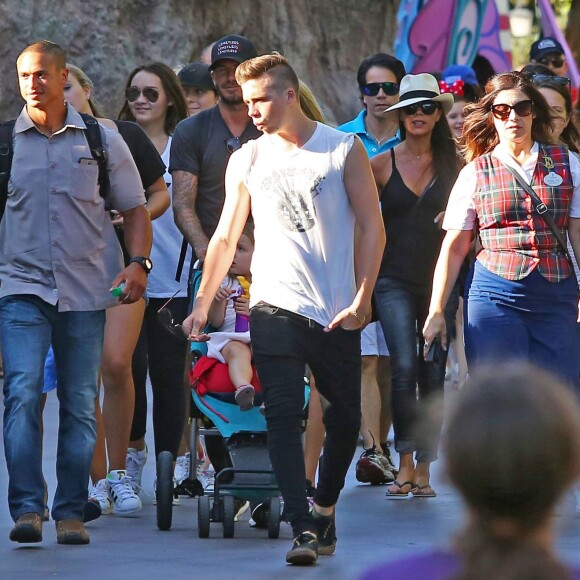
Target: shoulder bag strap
(542, 209)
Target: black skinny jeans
(283, 342)
(164, 355)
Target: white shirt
(304, 225)
(460, 213)
(167, 240)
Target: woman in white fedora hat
(414, 180)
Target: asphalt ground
(370, 529)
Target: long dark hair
(516, 417)
(172, 87)
(479, 135)
(445, 159)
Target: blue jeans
(402, 310)
(27, 327)
(283, 343)
(529, 319)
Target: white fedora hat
(420, 88)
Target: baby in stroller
(229, 315)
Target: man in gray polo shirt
(55, 278)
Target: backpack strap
(6, 154)
(95, 141)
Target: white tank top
(304, 225)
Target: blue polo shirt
(358, 126)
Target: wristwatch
(145, 263)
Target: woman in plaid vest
(522, 303)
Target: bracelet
(360, 317)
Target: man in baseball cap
(202, 145)
(549, 52)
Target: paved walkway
(370, 529)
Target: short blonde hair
(272, 65)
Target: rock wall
(324, 39)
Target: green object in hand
(118, 290)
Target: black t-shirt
(199, 147)
(146, 157)
(413, 239)
(147, 160)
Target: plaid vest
(514, 237)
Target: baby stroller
(237, 447)
(236, 444)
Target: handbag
(542, 209)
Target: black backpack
(94, 139)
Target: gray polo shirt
(56, 239)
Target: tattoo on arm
(184, 196)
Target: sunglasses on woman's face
(555, 61)
(502, 112)
(372, 89)
(150, 93)
(427, 108)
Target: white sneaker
(100, 494)
(181, 472)
(206, 476)
(120, 487)
(134, 464)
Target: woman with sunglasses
(522, 302)
(414, 179)
(155, 101)
(112, 490)
(556, 90)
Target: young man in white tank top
(309, 188)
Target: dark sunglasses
(233, 144)
(150, 93)
(555, 61)
(522, 109)
(372, 89)
(427, 107)
(165, 318)
(555, 79)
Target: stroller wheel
(203, 516)
(229, 514)
(164, 490)
(274, 518)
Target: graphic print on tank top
(294, 190)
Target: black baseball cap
(233, 47)
(543, 47)
(196, 74)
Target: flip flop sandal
(400, 494)
(424, 491)
(245, 397)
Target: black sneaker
(326, 529)
(304, 551)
